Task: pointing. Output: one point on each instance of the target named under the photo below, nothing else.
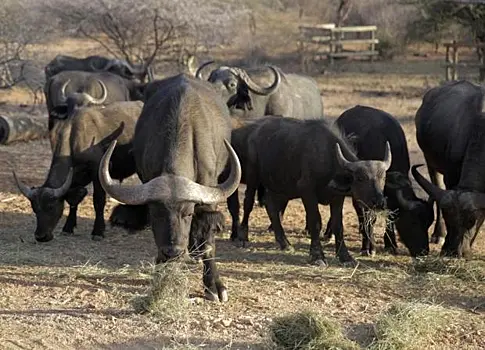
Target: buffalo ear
(76, 195)
(242, 99)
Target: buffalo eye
(232, 85)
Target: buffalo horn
(101, 100)
(63, 90)
(388, 156)
(344, 163)
(432, 190)
(201, 67)
(242, 74)
(61, 191)
(24, 189)
(169, 187)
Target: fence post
(455, 60)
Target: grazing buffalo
(369, 130)
(87, 88)
(310, 160)
(78, 144)
(97, 64)
(450, 129)
(266, 91)
(180, 148)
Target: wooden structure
(452, 62)
(22, 128)
(319, 41)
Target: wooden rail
(319, 41)
(452, 60)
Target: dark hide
(299, 159)
(369, 130)
(297, 96)
(79, 143)
(450, 130)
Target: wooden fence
(318, 41)
(452, 60)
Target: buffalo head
(171, 200)
(236, 86)
(368, 178)
(463, 212)
(47, 204)
(68, 102)
(415, 215)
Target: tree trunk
(22, 128)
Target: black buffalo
(255, 92)
(86, 88)
(369, 129)
(450, 130)
(96, 63)
(78, 144)
(181, 147)
(310, 160)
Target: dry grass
(168, 294)
(308, 330)
(409, 326)
(469, 271)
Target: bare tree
(143, 32)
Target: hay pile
(466, 270)
(168, 295)
(308, 331)
(409, 326)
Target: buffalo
(450, 130)
(309, 159)
(78, 144)
(255, 92)
(97, 64)
(180, 148)
(86, 89)
(369, 129)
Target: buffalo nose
(171, 252)
(43, 238)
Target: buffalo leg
(390, 243)
(336, 207)
(71, 221)
(252, 184)
(214, 288)
(366, 229)
(99, 201)
(282, 214)
(314, 223)
(274, 205)
(73, 197)
(439, 227)
(234, 207)
(328, 231)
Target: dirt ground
(75, 293)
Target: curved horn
(241, 73)
(61, 191)
(96, 101)
(404, 203)
(431, 189)
(63, 97)
(170, 188)
(344, 163)
(24, 189)
(201, 67)
(388, 156)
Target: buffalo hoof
(320, 262)
(287, 247)
(350, 263)
(67, 233)
(326, 238)
(222, 296)
(365, 252)
(97, 237)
